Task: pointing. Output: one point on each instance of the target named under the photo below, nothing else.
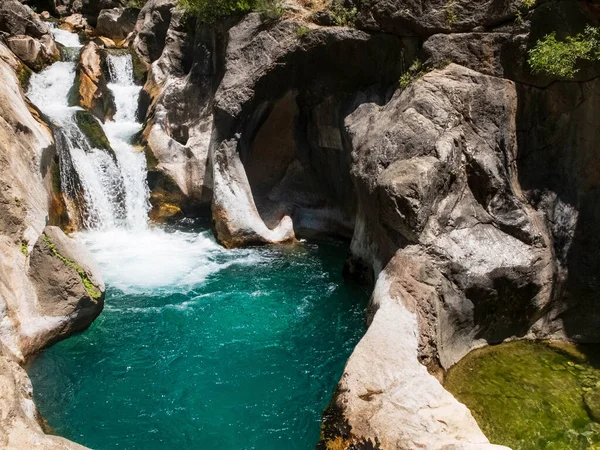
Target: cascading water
(114, 193)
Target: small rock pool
(532, 395)
(199, 347)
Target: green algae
(93, 131)
(530, 396)
(90, 287)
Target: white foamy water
(63, 37)
(159, 261)
(111, 191)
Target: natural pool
(199, 347)
(532, 396)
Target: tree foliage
(559, 58)
(211, 10)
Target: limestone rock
(386, 398)
(90, 89)
(412, 17)
(36, 53)
(116, 23)
(176, 136)
(75, 23)
(19, 19)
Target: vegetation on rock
(211, 10)
(90, 287)
(93, 131)
(530, 396)
(559, 58)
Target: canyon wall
(467, 185)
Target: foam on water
(154, 260)
(64, 37)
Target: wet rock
(91, 128)
(117, 23)
(90, 90)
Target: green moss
(24, 75)
(92, 130)
(528, 396)
(24, 249)
(139, 69)
(450, 13)
(18, 202)
(91, 289)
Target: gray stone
(116, 23)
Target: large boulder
(90, 89)
(67, 280)
(18, 19)
(116, 23)
(36, 53)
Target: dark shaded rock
(93, 131)
(117, 23)
(19, 19)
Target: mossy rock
(24, 75)
(140, 71)
(91, 128)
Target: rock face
(469, 194)
(181, 66)
(67, 281)
(19, 419)
(116, 23)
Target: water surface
(199, 347)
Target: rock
(19, 19)
(386, 398)
(33, 52)
(91, 128)
(67, 280)
(19, 418)
(75, 23)
(88, 8)
(252, 86)
(27, 35)
(176, 136)
(412, 17)
(90, 90)
(117, 23)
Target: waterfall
(110, 192)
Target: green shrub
(302, 31)
(211, 10)
(558, 58)
(414, 71)
(342, 16)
